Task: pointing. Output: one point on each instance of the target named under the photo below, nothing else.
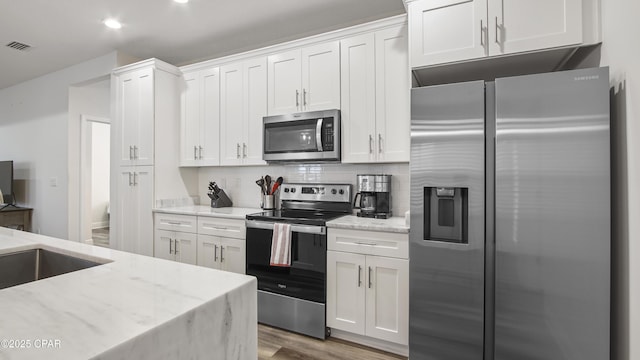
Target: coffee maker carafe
(374, 194)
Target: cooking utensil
(260, 183)
(279, 181)
(267, 182)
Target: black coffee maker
(374, 194)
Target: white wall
(100, 174)
(93, 99)
(240, 182)
(621, 52)
(35, 115)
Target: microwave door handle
(319, 134)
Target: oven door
(306, 277)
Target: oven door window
(292, 136)
(306, 277)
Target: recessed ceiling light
(113, 23)
(181, 1)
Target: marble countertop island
(130, 307)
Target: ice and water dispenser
(446, 214)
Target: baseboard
(383, 345)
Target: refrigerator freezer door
(552, 216)
(447, 277)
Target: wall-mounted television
(6, 182)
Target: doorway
(95, 179)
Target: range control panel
(316, 192)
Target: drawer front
(369, 242)
(174, 222)
(221, 227)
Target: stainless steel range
(294, 297)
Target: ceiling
(67, 32)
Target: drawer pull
(359, 275)
(367, 244)
(174, 223)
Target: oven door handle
(294, 228)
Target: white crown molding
(290, 45)
(156, 63)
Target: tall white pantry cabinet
(145, 113)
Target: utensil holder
(268, 202)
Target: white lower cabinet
(367, 294)
(176, 246)
(221, 253)
(218, 243)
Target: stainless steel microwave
(305, 137)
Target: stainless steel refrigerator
(510, 218)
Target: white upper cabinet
(243, 104)
(445, 31)
(375, 83)
(135, 116)
(200, 118)
(304, 79)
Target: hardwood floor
(278, 344)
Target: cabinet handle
(215, 253)
(130, 152)
(369, 277)
(135, 181)
(170, 251)
(297, 98)
(238, 150)
(244, 150)
(221, 253)
(304, 97)
(135, 152)
(174, 223)
(481, 33)
(370, 144)
(175, 246)
(380, 143)
(364, 243)
(216, 228)
(130, 182)
(497, 30)
(359, 275)
(195, 152)
(200, 152)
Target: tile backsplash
(240, 182)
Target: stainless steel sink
(31, 265)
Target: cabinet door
(126, 212)
(255, 107)
(393, 121)
(209, 150)
(358, 98)
(185, 247)
(447, 30)
(388, 299)
(127, 110)
(163, 244)
(283, 81)
(231, 113)
(321, 77)
(208, 253)
(190, 119)
(516, 26)
(346, 285)
(232, 255)
(143, 188)
(143, 148)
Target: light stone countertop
(205, 210)
(394, 224)
(130, 307)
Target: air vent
(19, 46)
